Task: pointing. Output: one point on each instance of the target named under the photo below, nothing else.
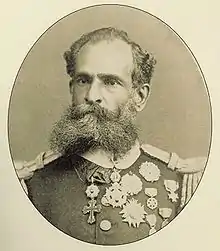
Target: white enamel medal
(152, 202)
(165, 213)
(115, 175)
(114, 196)
(171, 187)
(92, 191)
(131, 184)
(133, 213)
(149, 171)
(151, 220)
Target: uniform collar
(101, 158)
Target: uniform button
(105, 225)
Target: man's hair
(143, 62)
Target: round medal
(150, 171)
(152, 203)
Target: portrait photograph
(110, 125)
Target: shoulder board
(174, 162)
(25, 170)
(156, 153)
(191, 169)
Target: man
(97, 183)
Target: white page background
(21, 226)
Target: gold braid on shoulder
(25, 170)
(190, 168)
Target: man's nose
(94, 93)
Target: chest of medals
(136, 196)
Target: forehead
(113, 57)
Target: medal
(149, 171)
(171, 187)
(131, 184)
(92, 192)
(114, 196)
(151, 192)
(165, 213)
(115, 176)
(133, 213)
(91, 209)
(151, 220)
(152, 202)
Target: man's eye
(111, 82)
(82, 80)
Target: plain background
(22, 228)
(177, 115)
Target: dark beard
(89, 126)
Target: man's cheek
(78, 97)
(114, 102)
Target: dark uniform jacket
(156, 192)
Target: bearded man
(98, 184)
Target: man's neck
(104, 159)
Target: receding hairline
(127, 48)
(143, 61)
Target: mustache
(93, 109)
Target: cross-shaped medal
(92, 208)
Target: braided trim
(26, 169)
(156, 152)
(173, 162)
(189, 186)
(191, 165)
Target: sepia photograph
(110, 125)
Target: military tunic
(58, 192)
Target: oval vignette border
(202, 77)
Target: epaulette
(156, 153)
(25, 170)
(191, 169)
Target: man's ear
(141, 95)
